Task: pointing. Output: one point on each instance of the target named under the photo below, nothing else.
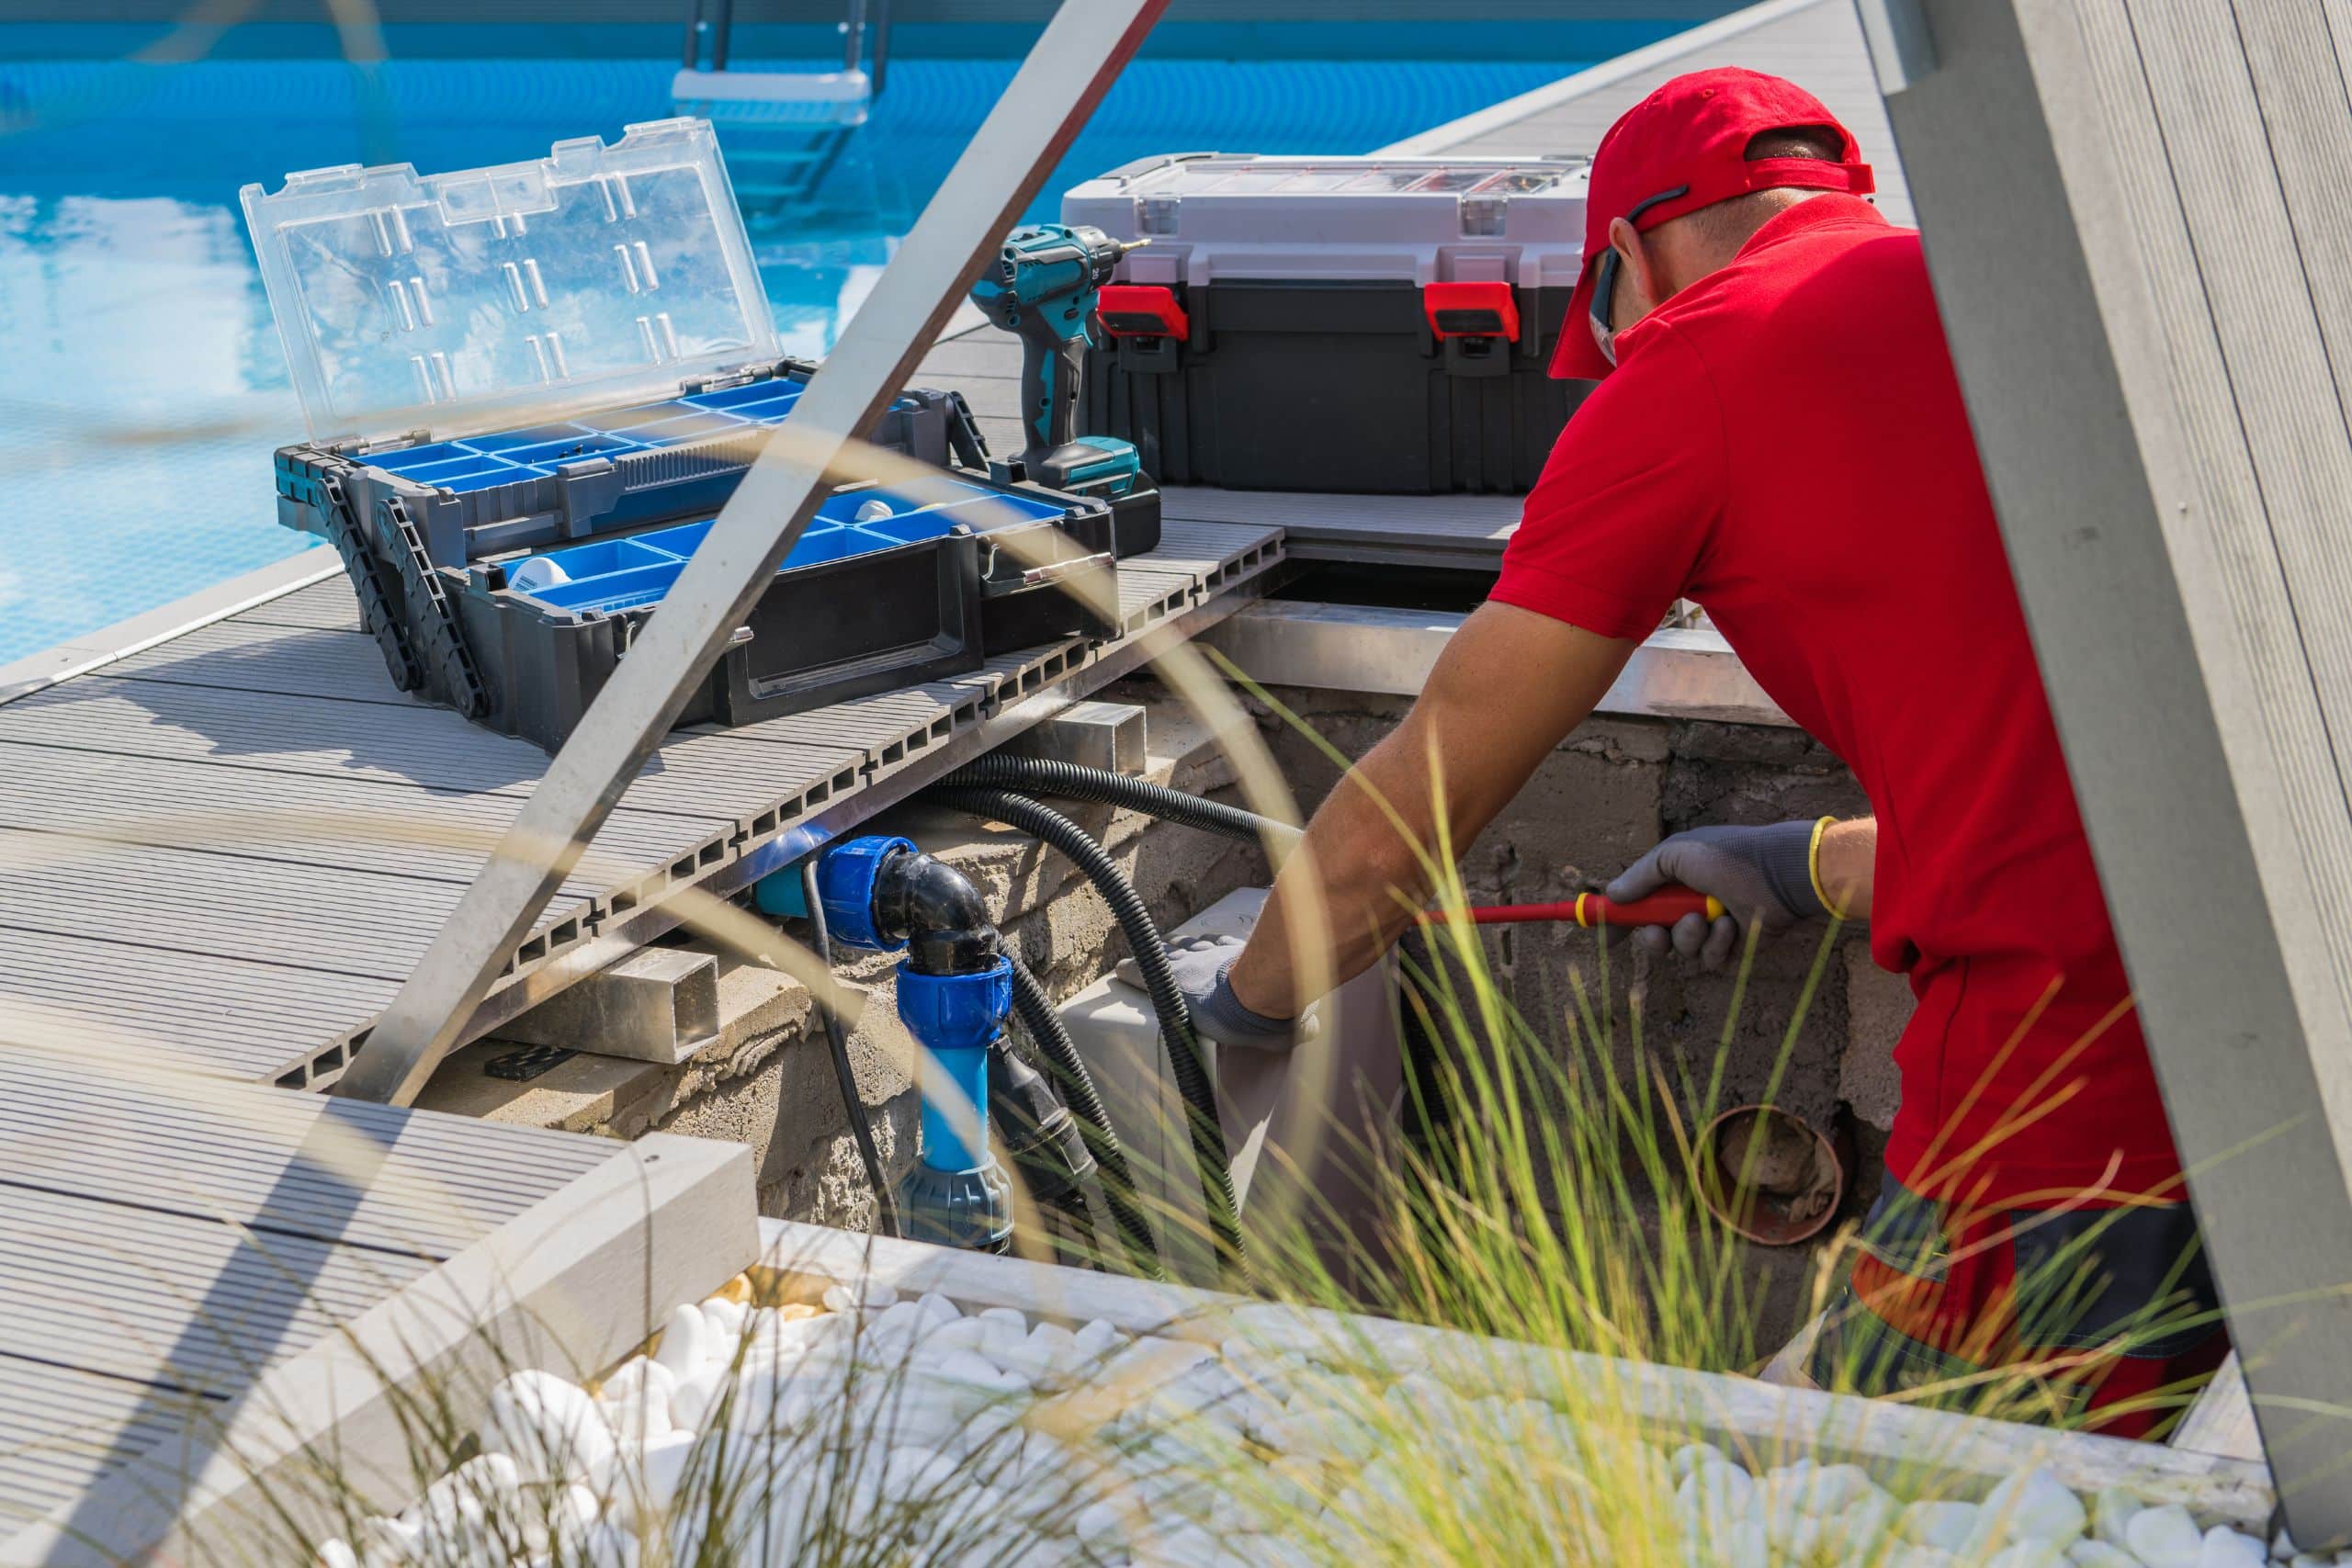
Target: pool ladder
(784, 131)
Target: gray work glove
(1201, 964)
(1764, 876)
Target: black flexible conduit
(1069, 1072)
(861, 1127)
(1070, 781)
(1191, 1069)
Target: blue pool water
(145, 388)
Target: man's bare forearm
(1357, 866)
(1848, 863)
(1508, 688)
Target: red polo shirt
(1784, 441)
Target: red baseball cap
(1685, 147)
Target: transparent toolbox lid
(459, 302)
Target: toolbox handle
(1052, 571)
(1478, 308)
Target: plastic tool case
(1350, 324)
(529, 387)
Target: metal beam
(2138, 257)
(1047, 102)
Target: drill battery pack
(1358, 325)
(530, 387)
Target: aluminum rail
(1047, 102)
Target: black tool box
(1366, 325)
(530, 387)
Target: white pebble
(727, 1317)
(2042, 1553)
(696, 1398)
(2037, 1506)
(660, 1470)
(385, 1539)
(2225, 1547)
(688, 1340)
(1947, 1527)
(2090, 1553)
(551, 1428)
(1690, 1456)
(1099, 1338)
(2110, 1511)
(2165, 1537)
(605, 1545)
(869, 1293)
(335, 1554)
(638, 1407)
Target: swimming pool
(145, 387)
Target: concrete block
(1878, 1005)
(1090, 734)
(659, 1004)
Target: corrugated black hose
(1189, 1067)
(1072, 781)
(1068, 1069)
(885, 1210)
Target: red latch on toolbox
(1468, 309)
(1142, 310)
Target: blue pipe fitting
(956, 1195)
(956, 1017)
(846, 874)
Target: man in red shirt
(1779, 435)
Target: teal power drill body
(1042, 287)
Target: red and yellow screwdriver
(1662, 908)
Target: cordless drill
(1042, 286)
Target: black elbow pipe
(1070, 781)
(1068, 1069)
(937, 909)
(1189, 1064)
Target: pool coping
(94, 650)
(1438, 139)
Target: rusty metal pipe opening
(1772, 1176)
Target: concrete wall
(1612, 790)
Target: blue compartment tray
(477, 462)
(613, 576)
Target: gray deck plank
(1818, 45)
(329, 606)
(68, 1126)
(63, 1427)
(355, 824)
(346, 922)
(165, 1234)
(986, 353)
(1482, 521)
(401, 743)
(120, 1291)
(244, 657)
(240, 1017)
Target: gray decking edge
(94, 650)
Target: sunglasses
(1604, 282)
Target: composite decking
(235, 844)
(166, 1236)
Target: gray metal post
(2132, 212)
(1048, 100)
